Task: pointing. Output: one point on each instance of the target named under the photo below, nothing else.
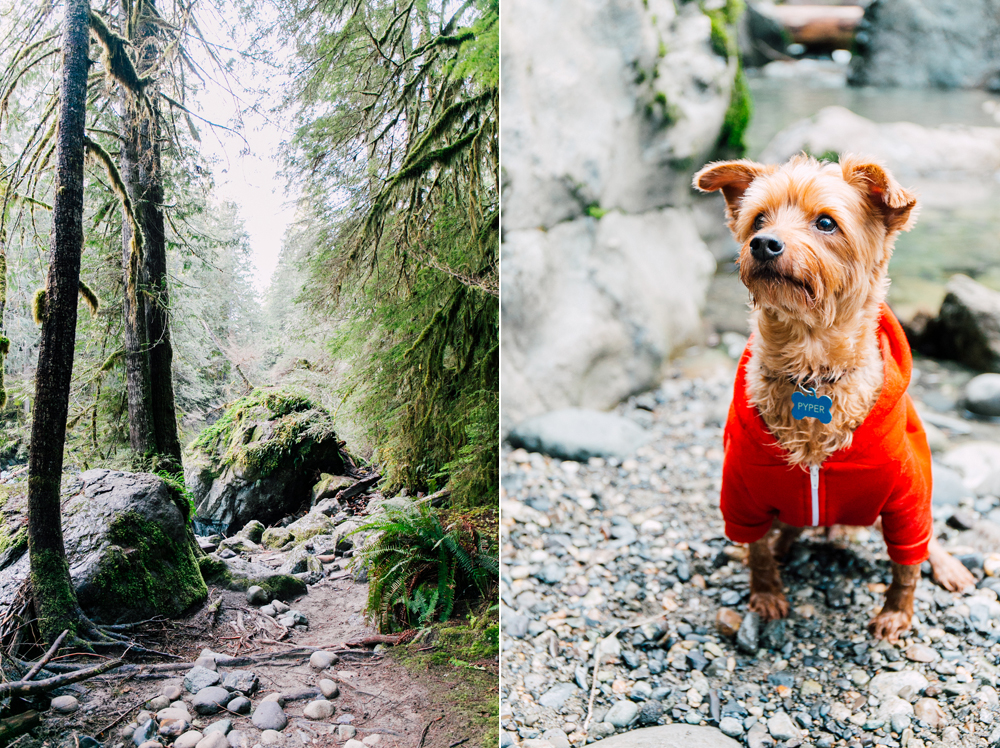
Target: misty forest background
(384, 305)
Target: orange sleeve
(907, 525)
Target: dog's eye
(826, 224)
(758, 222)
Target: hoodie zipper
(814, 483)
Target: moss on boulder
(239, 574)
(258, 460)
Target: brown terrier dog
(821, 431)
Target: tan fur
(816, 307)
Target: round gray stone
(622, 713)
(576, 434)
(269, 716)
(257, 595)
(222, 725)
(731, 726)
(321, 660)
(240, 705)
(243, 681)
(200, 677)
(319, 709)
(65, 704)
(188, 740)
(689, 736)
(329, 688)
(213, 740)
(982, 395)
(210, 700)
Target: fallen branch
(48, 656)
(19, 724)
(391, 639)
(25, 688)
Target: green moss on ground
(239, 438)
(463, 667)
(145, 568)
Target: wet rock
(199, 677)
(575, 434)
(269, 716)
(749, 633)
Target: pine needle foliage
(397, 148)
(418, 568)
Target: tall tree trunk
(145, 182)
(55, 600)
(137, 379)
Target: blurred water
(958, 230)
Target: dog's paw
(951, 573)
(889, 624)
(769, 605)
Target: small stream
(958, 230)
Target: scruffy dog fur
(816, 309)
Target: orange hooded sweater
(886, 471)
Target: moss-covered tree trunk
(55, 601)
(143, 175)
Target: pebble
(329, 688)
(257, 596)
(172, 692)
(344, 732)
(238, 739)
(145, 732)
(321, 660)
(982, 395)
(749, 633)
(222, 725)
(918, 652)
(376, 738)
(354, 744)
(320, 709)
(213, 740)
(240, 705)
(210, 700)
(65, 704)
(781, 727)
(189, 739)
(200, 677)
(243, 681)
(622, 713)
(157, 703)
(269, 716)
(928, 710)
(731, 727)
(270, 737)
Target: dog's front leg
(895, 616)
(766, 596)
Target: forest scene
(249, 445)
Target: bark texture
(55, 602)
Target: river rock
(967, 329)
(930, 712)
(238, 739)
(214, 740)
(269, 716)
(329, 688)
(781, 727)
(243, 681)
(270, 737)
(329, 486)
(749, 633)
(199, 677)
(260, 460)
(982, 395)
(146, 731)
(918, 652)
(346, 732)
(890, 683)
(65, 704)
(688, 736)
(320, 709)
(575, 434)
(190, 739)
(128, 546)
(728, 621)
(622, 713)
(222, 725)
(928, 44)
(240, 705)
(975, 461)
(210, 700)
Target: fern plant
(418, 568)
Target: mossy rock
(253, 531)
(258, 459)
(329, 486)
(276, 537)
(312, 524)
(239, 574)
(130, 552)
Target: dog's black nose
(765, 247)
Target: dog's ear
(733, 178)
(896, 204)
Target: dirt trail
(380, 692)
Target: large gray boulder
(129, 547)
(574, 434)
(967, 328)
(609, 107)
(928, 43)
(258, 461)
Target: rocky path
(626, 559)
(313, 699)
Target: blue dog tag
(811, 406)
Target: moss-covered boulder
(239, 574)
(130, 549)
(259, 461)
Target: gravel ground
(628, 558)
